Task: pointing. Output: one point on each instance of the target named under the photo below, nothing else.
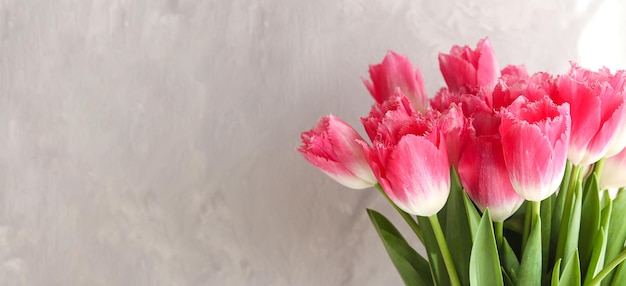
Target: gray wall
(152, 142)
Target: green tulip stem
(445, 252)
(499, 229)
(407, 217)
(608, 268)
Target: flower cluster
(508, 135)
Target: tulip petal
(484, 176)
(419, 176)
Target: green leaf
(619, 276)
(570, 226)
(546, 229)
(435, 258)
(557, 214)
(457, 227)
(555, 273)
(596, 261)
(606, 198)
(412, 267)
(472, 215)
(571, 272)
(507, 279)
(590, 221)
(509, 260)
(530, 269)
(617, 230)
(484, 260)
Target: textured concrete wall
(152, 142)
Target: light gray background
(152, 142)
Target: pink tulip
(396, 72)
(613, 171)
(534, 141)
(519, 71)
(455, 127)
(467, 68)
(596, 108)
(332, 147)
(618, 83)
(510, 87)
(477, 102)
(397, 107)
(409, 160)
(483, 172)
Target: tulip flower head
(483, 172)
(410, 161)
(467, 68)
(534, 140)
(396, 73)
(332, 147)
(596, 108)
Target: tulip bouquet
(506, 178)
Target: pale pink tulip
(409, 160)
(596, 109)
(396, 72)
(613, 171)
(332, 147)
(534, 142)
(467, 68)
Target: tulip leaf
(619, 277)
(509, 260)
(413, 268)
(473, 218)
(555, 273)
(596, 261)
(571, 272)
(558, 209)
(435, 258)
(546, 229)
(570, 225)
(590, 221)
(530, 268)
(617, 229)
(507, 279)
(484, 260)
(457, 227)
